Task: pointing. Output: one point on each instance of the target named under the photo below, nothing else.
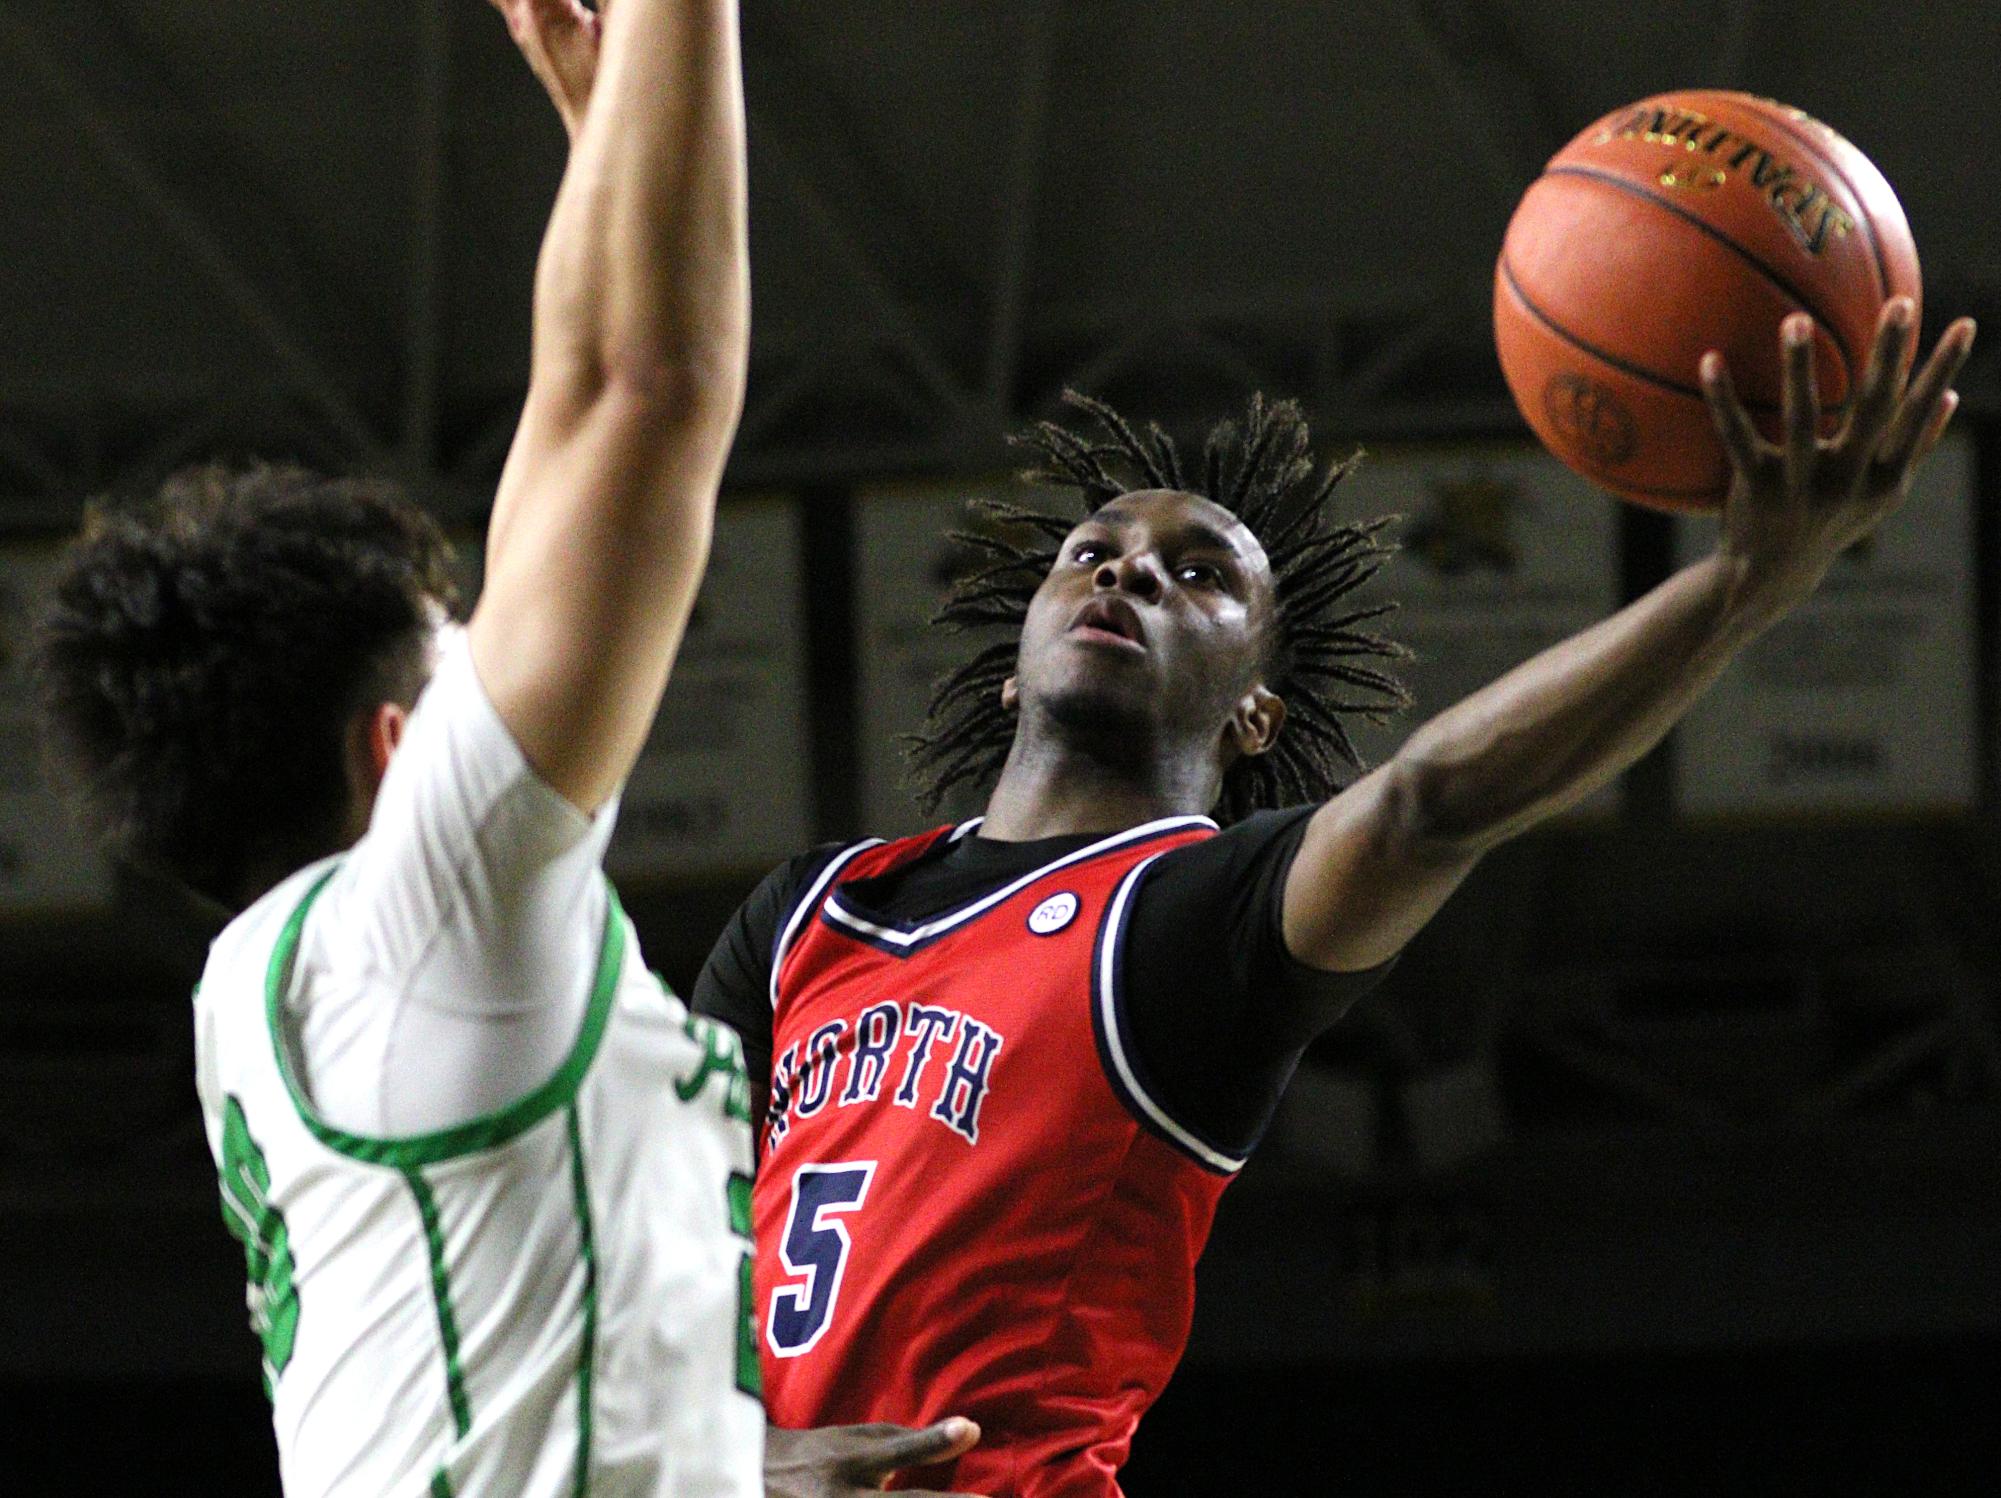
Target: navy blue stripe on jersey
(1116, 1051)
(788, 929)
(902, 938)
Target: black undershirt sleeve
(734, 985)
(1219, 1009)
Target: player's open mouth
(1108, 621)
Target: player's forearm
(1380, 858)
(643, 282)
(1566, 722)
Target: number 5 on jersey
(815, 1247)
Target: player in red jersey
(1013, 1064)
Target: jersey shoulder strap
(869, 856)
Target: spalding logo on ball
(1687, 222)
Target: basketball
(1689, 221)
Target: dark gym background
(1732, 1219)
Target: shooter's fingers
(1936, 430)
(1802, 403)
(1882, 382)
(1920, 409)
(1733, 423)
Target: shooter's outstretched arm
(1379, 859)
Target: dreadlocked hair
(1321, 647)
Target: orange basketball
(1686, 222)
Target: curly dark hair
(205, 650)
(1319, 647)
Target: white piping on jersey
(251, 1224)
(839, 913)
(1108, 946)
(805, 908)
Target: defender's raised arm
(601, 526)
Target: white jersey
(551, 1297)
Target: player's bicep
(601, 530)
(1364, 882)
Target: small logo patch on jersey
(1053, 914)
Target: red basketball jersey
(969, 1202)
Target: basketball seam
(1806, 143)
(1508, 274)
(1799, 299)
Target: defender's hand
(1797, 504)
(846, 1461)
(560, 40)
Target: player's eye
(1089, 551)
(1200, 574)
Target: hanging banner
(904, 566)
(723, 784)
(1503, 553)
(46, 864)
(1866, 697)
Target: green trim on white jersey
(448, 1324)
(587, 1353)
(483, 1133)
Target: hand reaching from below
(847, 1461)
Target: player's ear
(1010, 695)
(1255, 724)
(381, 731)
(372, 737)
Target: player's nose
(1135, 572)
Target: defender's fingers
(890, 1448)
(1921, 404)
(1882, 381)
(1733, 423)
(1802, 401)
